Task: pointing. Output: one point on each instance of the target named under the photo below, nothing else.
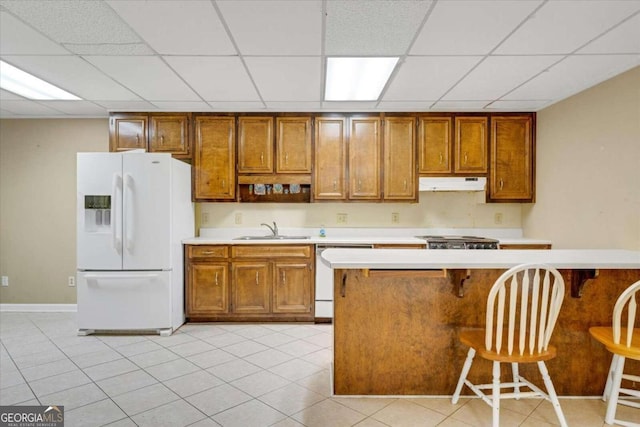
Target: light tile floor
(220, 374)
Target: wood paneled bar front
(398, 314)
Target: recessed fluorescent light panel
(357, 79)
(24, 84)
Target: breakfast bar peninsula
(398, 314)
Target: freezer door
(147, 211)
(99, 211)
(124, 300)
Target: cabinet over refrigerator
(133, 210)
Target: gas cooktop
(459, 242)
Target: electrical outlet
(5, 280)
(497, 218)
(341, 218)
(395, 218)
(205, 217)
(238, 218)
(72, 281)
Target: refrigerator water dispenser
(97, 213)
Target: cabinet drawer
(207, 251)
(274, 251)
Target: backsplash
(435, 210)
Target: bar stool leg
(516, 380)
(463, 375)
(551, 391)
(615, 390)
(607, 387)
(496, 394)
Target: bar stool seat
(476, 339)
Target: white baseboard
(39, 308)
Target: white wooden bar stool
(628, 348)
(523, 304)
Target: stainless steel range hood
(453, 183)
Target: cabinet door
(293, 135)
(207, 289)
(251, 287)
(471, 145)
(214, 158)
(127, 132)
(511, 172)
(434, 145)
(255, 145)
(292, 288)
(399, 158)
(330, 159)
(364, 159)
(169, 134)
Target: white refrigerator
(133, 211)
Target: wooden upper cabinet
(434, 145)
(511, 177)
(255, 145)
(471, 145)
(399, 146)
(329, 178)
(364, 158)
(128, 131)
(293, 148)
(214, 158)
(170, 134)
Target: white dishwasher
(324, 278)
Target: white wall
(588, 168)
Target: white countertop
(407, 259)
(335, 236)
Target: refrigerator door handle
(116, 222)
(130, 212)
(94, 278)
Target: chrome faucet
(274, 229)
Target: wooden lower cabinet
(251, 287)
(250, 282)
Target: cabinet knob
(257, 279)
(216, 278)
(501, 183)
(335, 185)
(162, 140)
(137, 138)
(465, 158)
(286, 158)
(262, 159)
(405, 184)
(284, 277)
(441, 158)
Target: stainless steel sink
(272, 237)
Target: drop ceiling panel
(77, 108)
(236, 106)
(292, 106)
(182, 106)
(177, 27)
(574, 74)
(18, 38)
(563, 26)
(286, 78)
(470, 27)
(74, 75)
(498, 75)
(146, 76)
(405, 105)
(127, 105)
(524, 105)
(76, 24)
(349, 105)
(460, 105)
(625, 38)
(5, 95)
(362, 27)
(274, 27)
(215, 78)
(28, 108)
(428, 77)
